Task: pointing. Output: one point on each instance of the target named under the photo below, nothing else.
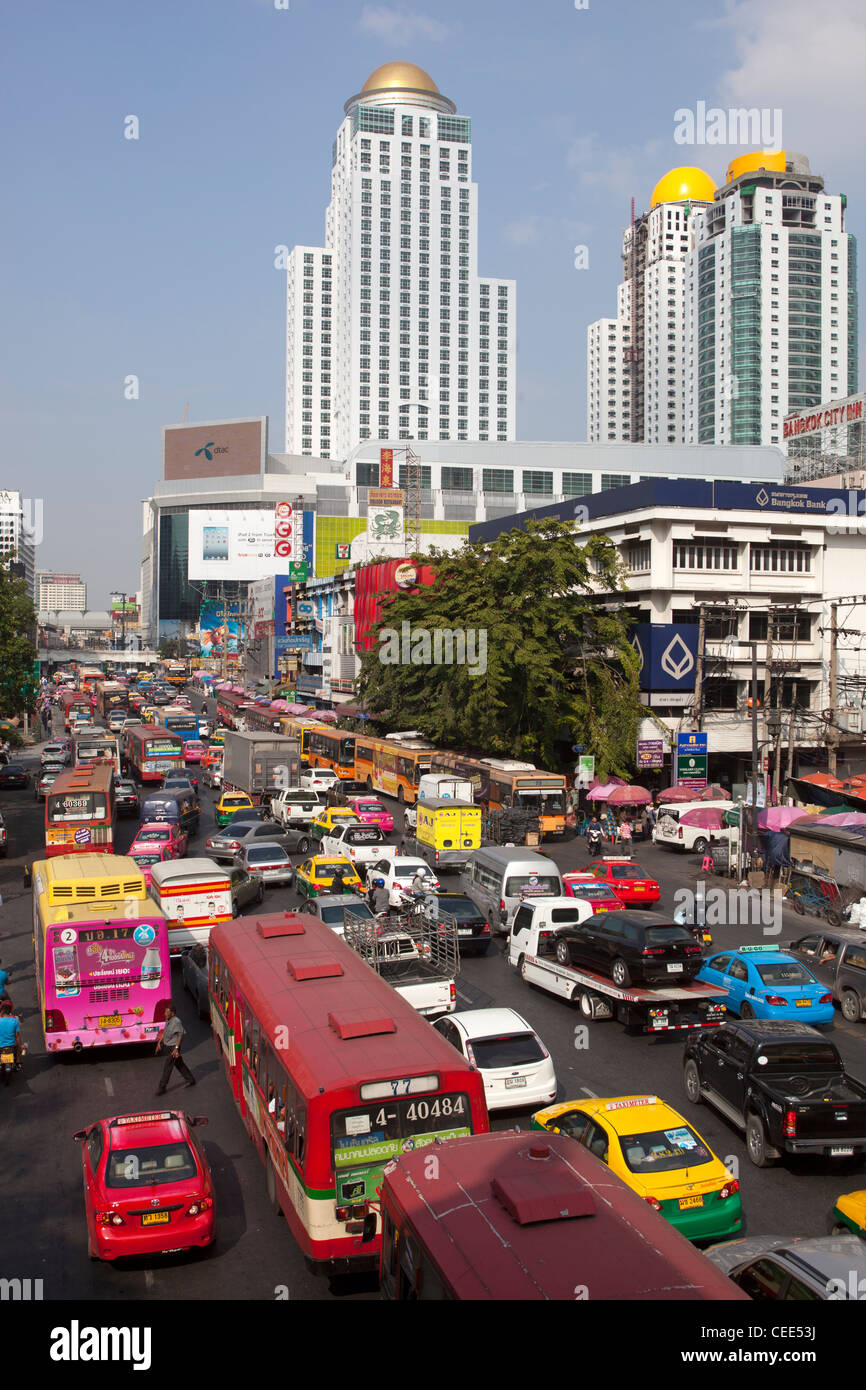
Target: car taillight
(653, 951)
(791, 1124)
(775, 999)
(541, 1044)
(199, 1205)
(108, 1218)
(501, 904)
(654, 1203)
(680, 832)
(729, 1189)
(470, 1055)
(826, 999)
(485, 930)
(693, 951)
(453, 992)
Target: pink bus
(103, 974)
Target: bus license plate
(690, 1202)
(110, 1021)
(841, 1153)
(156, 1218)
(675, 969)
(511, 1081)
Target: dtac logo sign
(667, 655)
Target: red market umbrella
(677, 794)
(629, 796)
(600, 792)
(708, 818)
(714, 793)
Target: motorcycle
(8, 1064)
(593, 843)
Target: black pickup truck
(783, 1083)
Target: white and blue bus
(183, 722)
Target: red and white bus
(79, 811)
(72, 701)
(232, 706)
(96, 745)
(512, 1217)
(152, 753)
(334, 1075)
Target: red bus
(96, 745)
(510, 1219)
(264, 719)
(333, 1073)
(333, 748)
(151, 752)
(79, 811)
(393, 766)
(232, 706)
(111, 695)
(72, 700)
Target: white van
(668, 829)
(193, 895)
(498, 880)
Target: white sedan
(319, 779)
(513, 1062)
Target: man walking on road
(172, 1036)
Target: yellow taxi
(327, 819)
(150, 714)
(229, 803)
(327, 873)
(849, 1214)
(658, 1154)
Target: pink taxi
(194, 750)
(371, 810)
(155, 842)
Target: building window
(457, 479)
(704, 554)
(576, 484)
(786, 627)
(611, 480)
(780, 558)
(637, 556)
(497, 480)
(537, 484)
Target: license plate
(110, 1021)
(639, 889)
(7, 1058)
(803, 1003)
(156, 1218)
(675, 969)
(841, 1153)
(690, 1202)
(464, 931)
(512, 1081)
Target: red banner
(386, 467)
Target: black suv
(125, 797)
(631, 948)
(473, 928)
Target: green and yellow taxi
(657, 1154)
(230, 803)
(327, 819)
(849, 1213)
(327, 873)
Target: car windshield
(146, 858)
(550, 801)
(663, 1150)
(371, 807)
(334, 915)
(128, 788)
(459, 907)
(787, 972)
(509, 1050)
(154, 1166)
(146, 837)
(407, 868)
(262, 854)
(667, 936)
(236, 801)
(627, 871)
(593, 892)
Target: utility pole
(753, 818)
(789, 773)
(832, 728)
(699, 677)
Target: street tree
(19, 683)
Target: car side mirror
(197, 1119)
(79, 1135)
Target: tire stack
(510, 827)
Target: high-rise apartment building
(771, 302)
(61, 591)
(391, 331)
(636, 362)
(17, 536)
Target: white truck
(296, 806)
(418, 956)
(661, 1009)
(363, 844)
(441, 785)
(670, 830)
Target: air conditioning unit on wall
(851, 720)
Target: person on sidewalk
(172, 1037)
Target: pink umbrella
(714, 794)
(708, 818)
(629, 796)
(779, 817)
(600, 792)
(677, 794)
(843, 818)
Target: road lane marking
(148, 1278)
(109, 1085)
(587, 1092)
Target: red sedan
(628, 880)
(589, 890)
(147, 1185)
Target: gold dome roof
(685, 184)
(772, 160)
(400, 76)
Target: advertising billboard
(668, 655)
(234, 545)
(219, 628)
(219, 449)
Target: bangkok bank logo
(639, 649)
(677, 660)
(761, 498)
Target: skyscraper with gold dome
(636, 362)
(391, 332)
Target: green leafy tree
(551, 659)
(19, 684)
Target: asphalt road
(255, 1256)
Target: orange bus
(503, 1217)
(333, 748)
(334, 1075)
(392, 766)
(79, 811)
(504, 783)
(300, 728)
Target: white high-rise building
(771, 303)
(391, 331)
(61, 591)
(636, 362)
(17, 536)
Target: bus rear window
(530, 884)
(76, 806)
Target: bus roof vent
(289, 924)
(314, 968)
(547, 1191)
(361, 1024)
(508, 765)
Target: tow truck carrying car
(660, 1009)
(783, 1083)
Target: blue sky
(155, 257)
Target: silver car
(269, 860)
(232, 839)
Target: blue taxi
(764, 982)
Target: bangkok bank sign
(847, 412)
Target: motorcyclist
(419, 885)
(10, 1033)
(594, 834)
(381, 897)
